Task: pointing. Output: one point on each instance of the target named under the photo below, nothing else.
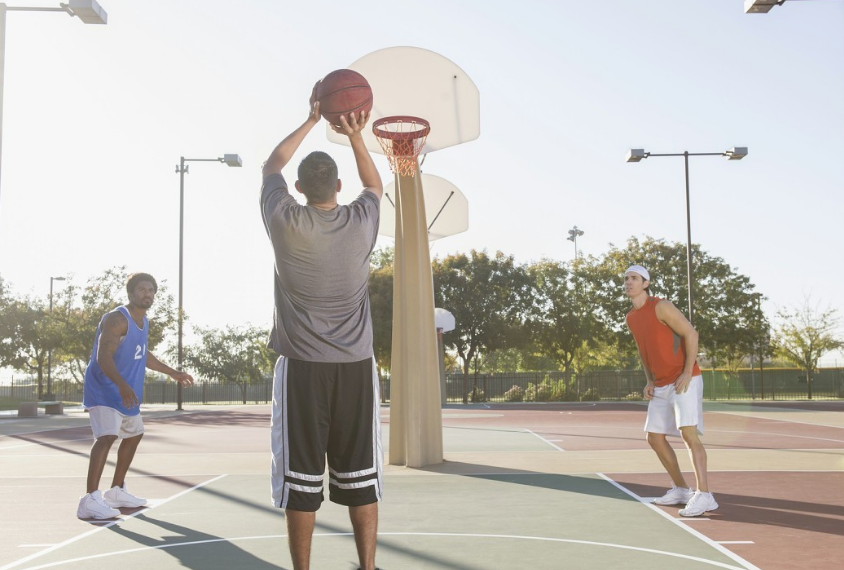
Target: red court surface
(777, 471)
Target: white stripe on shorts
(378, 447)
(278, 434)
(358, 485)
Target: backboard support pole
(415, 397)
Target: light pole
(86, 10)
(181, 169)
(573, 234)
(49, 395)
(735, 153)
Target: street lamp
(573, 234)
(735, 153)
(89, 11)
(49, 395)
(181, 169)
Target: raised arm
(369, 176)
(282, 153)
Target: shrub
(544, 393)
(477, 395)
(539, 392)
(634, 397)
(590, 395)
(514, 394)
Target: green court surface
(516, 491)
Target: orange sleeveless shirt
(663, 351)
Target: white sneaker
(92, 506)
(700, 503)
(120, 497)
(675, 496)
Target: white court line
(134, 476)
(110, 524)
(540, 437)
(775, 434)
(776, 420)
(677, 522)
(434, 534)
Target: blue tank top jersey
(130, 358)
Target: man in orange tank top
(667, 345)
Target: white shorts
(669, 411)
(108, 421)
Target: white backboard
(446, 208)
(421, 83)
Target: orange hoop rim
(401, 135)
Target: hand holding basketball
(342, 93)
(353, 125)
(313, 104)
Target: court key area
(526, 486)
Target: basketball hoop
(401, 138)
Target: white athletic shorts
(108, 421)
(669, 411)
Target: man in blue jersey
(325, 386)
(114, 388)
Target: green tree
(806, 333)
(236, 355)
(7, 339)
(381, 306)
(563, 323)
(27, 337)
(489, 298)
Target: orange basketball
(342, 92)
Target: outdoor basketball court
(523, 486)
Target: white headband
(639, 270)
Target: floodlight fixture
(736, 153)
(234, 160)
(89, 11)
(636, 154)
(760, 6)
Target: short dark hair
(133, 280)
(318, 177)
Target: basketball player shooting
(325, 385)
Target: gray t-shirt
(321, 275)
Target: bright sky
(96, 118)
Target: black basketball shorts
(321, 409)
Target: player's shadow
(196, 549)
(583, 485)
